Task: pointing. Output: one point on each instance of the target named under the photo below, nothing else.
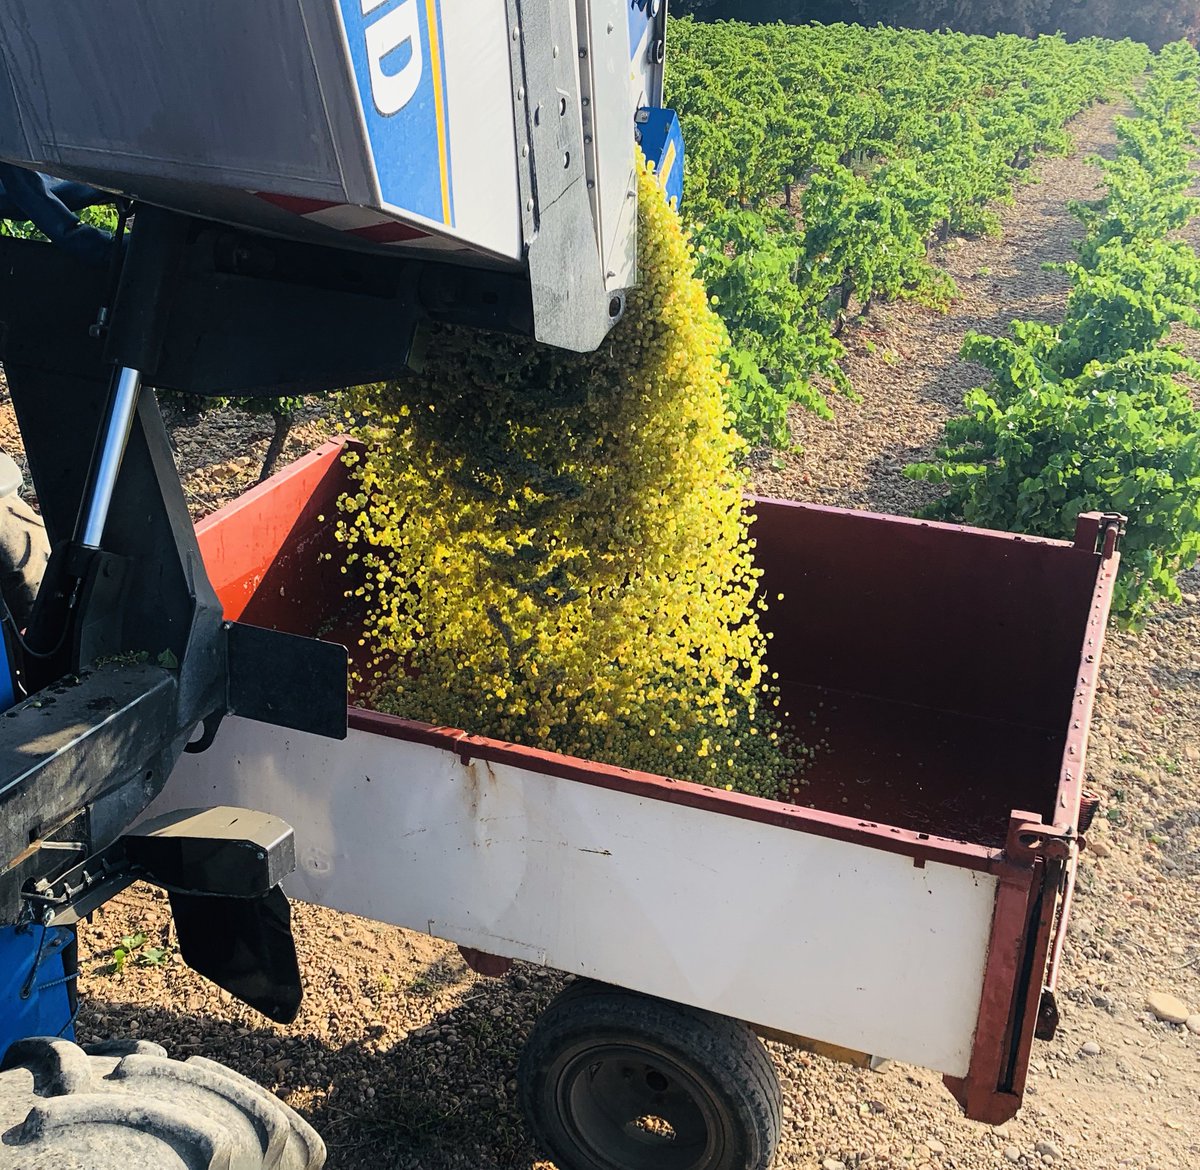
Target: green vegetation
(1157, 22)
(103, 216)
(821, 161)
(1092, 414)
(143, 956)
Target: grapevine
(1092, 414)
(822, 160)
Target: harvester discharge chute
(496, 136)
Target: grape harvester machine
(312, 181)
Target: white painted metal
(816, 937)
(607, 70)
(479, 95)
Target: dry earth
(402, 1057)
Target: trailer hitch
(221, 868)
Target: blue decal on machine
(661, 141)
(396, 50)
(641, 15)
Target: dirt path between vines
(403, 1058)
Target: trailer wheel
(126, 1106)
(613, 1080)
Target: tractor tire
(126, 1106)
(614, 1080)
(24, 551)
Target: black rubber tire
(126, 1106)
(24, 551)
(613, 1080)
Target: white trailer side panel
(802, 933)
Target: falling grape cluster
(554, 548)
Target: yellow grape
(554, 547)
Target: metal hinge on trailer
(1015, 1007)
(1100, 531)
(1046, 1025)
(1057, 852)
(1030, 839)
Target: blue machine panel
(33, 983)
(662, 143)
(8, 683)
(396, 50)
(641, 14)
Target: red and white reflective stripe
(344, 217)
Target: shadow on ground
(420, 1102)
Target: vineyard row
(1092, 414)
(823, 160)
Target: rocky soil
(402, 1057)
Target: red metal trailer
(907, 904)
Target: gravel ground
(402, 1057)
